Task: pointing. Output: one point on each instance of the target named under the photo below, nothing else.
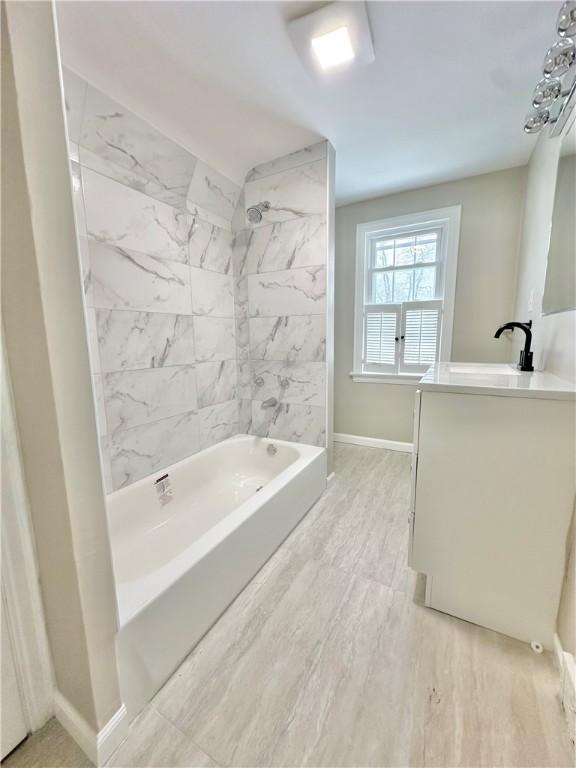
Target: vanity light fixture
(546, 92)
(536, 120)
(554, 97)
(559, 58)
(334, 38)
(566, 24)
(333, 48)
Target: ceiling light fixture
(334, 38)
(333, 48)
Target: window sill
(359, 377)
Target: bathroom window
(405, 282)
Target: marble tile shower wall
(154, 225)
(280, 284)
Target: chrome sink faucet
(525, 363)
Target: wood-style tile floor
(328, 658)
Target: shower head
(254, 213)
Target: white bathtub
(178, 565)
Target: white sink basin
(496, 379)
(485, 369)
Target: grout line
(195, 412)
(289, 269)
(193, 364)
(168, 314)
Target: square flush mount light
(333, 48)
(333, 38)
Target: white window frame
(448, 221)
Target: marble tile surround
(288, 292)
(280, 292)
(134, 398)
(289, 382)
(140, 156)
(210, 190)
(292, 338)
(156, 257)
(121, 216)
(289, 421)
(196, 332)
(292, 244)
(136, 452)
(125, 279)
(292, 193)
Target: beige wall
(554, 335)
(48, 360)
(485, 287)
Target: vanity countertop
(495, 379)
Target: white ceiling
(444, 99)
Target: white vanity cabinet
(493, 484)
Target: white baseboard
(566, 666)
(372, 442)
(98, 747)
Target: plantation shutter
(381, 336)
(421, 324)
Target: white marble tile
(140, 451)
(99, 404)
(241, 307)
(286, 162)
(74, 99)
(218, 422)
(153, 163)
(212, 293)
(295, 243)
(245, 379)
(125, 279)
(120, 216)
(244, 416)
(293, 338)
(104, 167)
(214, 338)
(216, 382)
(289, 421)
(289, 382)
(290, 292)
(133, 398)
(242, 338)
(213, 191)
(197, 212)
(210, 247)
(133, 340)
(292, 194)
